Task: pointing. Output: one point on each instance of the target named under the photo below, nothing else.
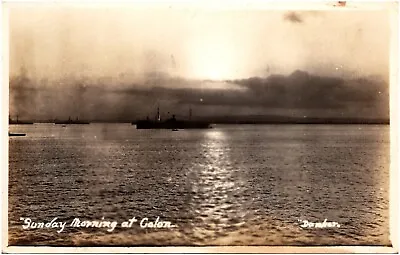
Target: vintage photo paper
(199, 127)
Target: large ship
(70, 121)
(171, 123)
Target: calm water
(230, 185)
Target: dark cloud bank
(297, 97)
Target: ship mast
(158, 113)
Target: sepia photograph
(186, 125)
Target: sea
(227, 185)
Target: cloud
(293, 17)
(299, 92)
(299, 17)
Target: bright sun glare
(213, 61)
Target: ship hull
(144, 124)
(20, 123)
(71, 122)
(16, 134)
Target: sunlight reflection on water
(227, 185)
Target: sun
(212, 60)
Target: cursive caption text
(157, 223)
(324, 224)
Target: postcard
(199, 127)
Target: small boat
(175, 129)
(16, 134)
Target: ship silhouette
(18, 122)
(171, 123)
(70, 121)
(16, 134)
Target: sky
(196, 43)
(129, 47)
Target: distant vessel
(18, 122)
(16, 134)
(70, 121)
(171, 123)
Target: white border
(216, 4)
